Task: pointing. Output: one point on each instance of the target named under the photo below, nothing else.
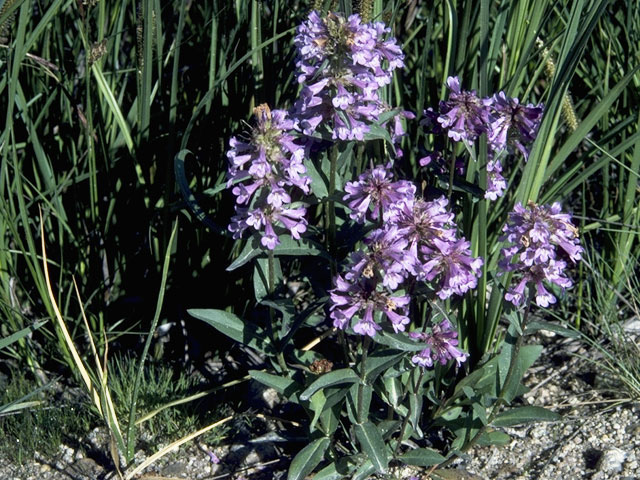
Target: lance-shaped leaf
(520, 415)
(307, 459)
(422, 457)
(285, 386)
(372, 444)
(234, 328)
(288, 246)
(337, 377)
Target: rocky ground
(598, 438)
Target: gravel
(597, 439)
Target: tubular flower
(374, 191)
(464, 115)
(441, 346)
(513, 126)
(434, 253)
(496, 184)
(361, 298)
(342, 64)
(539, 235)
(452, 264)
(384, 258)
(264, 171)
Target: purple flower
(514, 126)
(441, 346)
(270, 156)
(360, 298)
(347, 62)
(384, 258)
(434, 253)
(496, 184)
(374, 191)
(264, 171)
(538, 235)
(263, 219)
(452, 263)
(464, 115)
(420, 222)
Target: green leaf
(287, 246)
(251, 250)
(318, 180)
(520, 415)
(494, 437)
(481, 379)
(551, 327)
(234, 328)
(285, 386)
(337, 377)
(381, 361)
(189, 197)
(105, 90)
(14, 337)
(336, 470)
(398, 341)
(330, 419)
(307, 459)
(415, 404)
(317, 403)
(353, 402)
(261, 277)
(527, 355)
(422, 457)
(372, 444)
(364, 471)
(393, 391)
(376, 132)
(304, 246)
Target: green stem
(405, 420)
(330, 227)
(452, 169)
(363, 373)
(510, 372)
(145, 350)
(331, 209)
(272, 317)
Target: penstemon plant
(386, 266)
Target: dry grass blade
(63, 328)
(173, 445)
(190, 398)
(101, 369)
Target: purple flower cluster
(464, 115)
(513, 126)
(342, 63)
(539, 235)
(510, 127)
(374, 191)
(441, 346)
(264, 170)
(416, 240)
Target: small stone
(632, 326)
(612, 460)
(85, 468)
(175, 469)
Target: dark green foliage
(41, 422)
